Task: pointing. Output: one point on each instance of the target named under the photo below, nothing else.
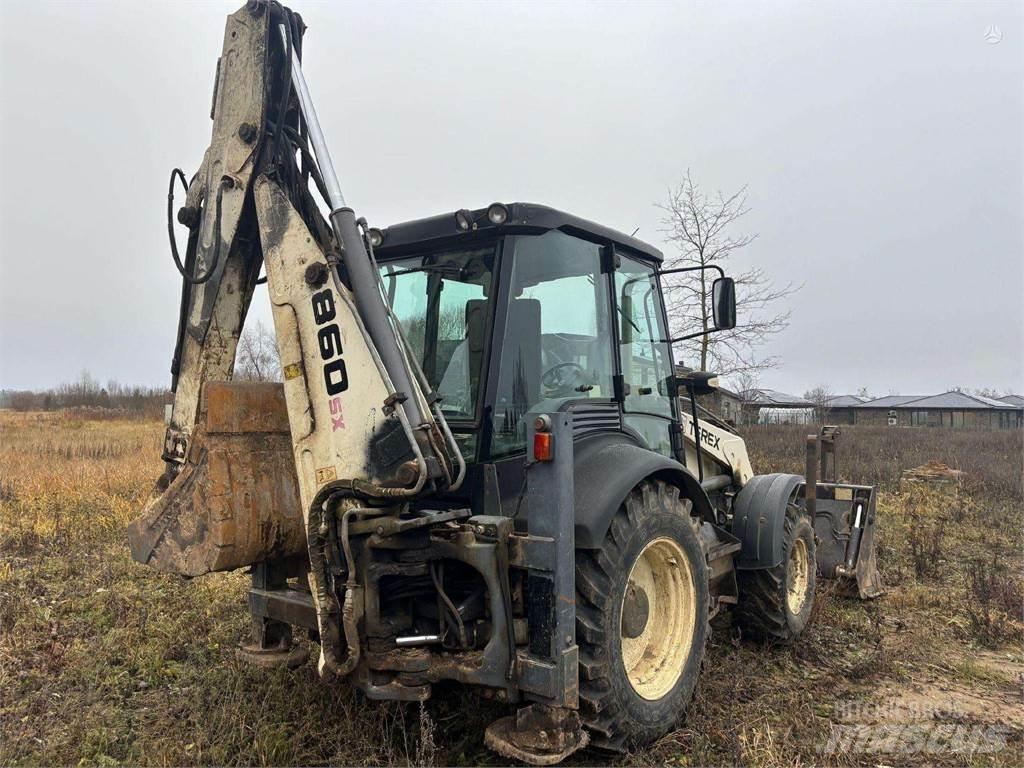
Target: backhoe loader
(481, 464)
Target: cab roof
(523, 219)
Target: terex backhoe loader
(481, 465)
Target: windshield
(442, 301)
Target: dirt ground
(103, 661)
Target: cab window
(644, 352)
(441, 300)
(557, 342)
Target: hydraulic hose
(226, 181)
(363, 280)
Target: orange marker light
(543, 446)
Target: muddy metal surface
(236, 499)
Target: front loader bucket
(844, 524)
(235, 501)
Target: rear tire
(641, 652)
(775, 603)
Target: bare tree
(991, 392)
(703, 228)
(821, 396)
(257, 358)
(86, 392)
(745, 382)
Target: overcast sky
(881, 142)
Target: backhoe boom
(362, 429)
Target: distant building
(786, 415)
(882, 410)
(726, 403)
(723, 402)
(952, 410)
(1017, 402)
(768, 406)
(839, 409)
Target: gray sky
(882, 143)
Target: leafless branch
(257, 358)
(701, 227)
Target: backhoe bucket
(235, 501)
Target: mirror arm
(688, 336)
(718, 269)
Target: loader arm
(724, 448)
(364, 426)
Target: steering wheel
(561, 376)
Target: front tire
(641, 619)
(775, 603)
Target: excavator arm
(364, 427)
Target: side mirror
(723, 303)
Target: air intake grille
(593, 417)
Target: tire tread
(761, 609)
(602, 714)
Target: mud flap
(844, 524)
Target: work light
(497, 214)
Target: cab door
(554, 344)
(644, 355)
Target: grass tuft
(106, 662)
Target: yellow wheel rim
(797, 577)
(654, 658)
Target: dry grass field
(103, 661)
